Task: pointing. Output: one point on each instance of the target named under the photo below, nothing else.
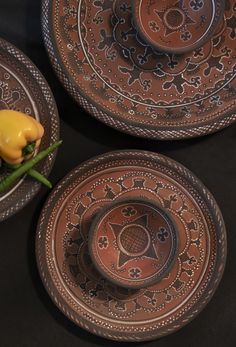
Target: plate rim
(205, 297)
(219, 7)
(46, 91)
(107, 118)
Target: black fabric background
(27, 315)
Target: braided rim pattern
(85, 319)
(27, 190)
(168, 133)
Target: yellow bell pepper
(17, 130)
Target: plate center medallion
(133, 243)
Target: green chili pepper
(26, 166)
(39, 177)
(33, 173)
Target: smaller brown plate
(152, 187)
(129, 252)
(23, 88)
(177, 26)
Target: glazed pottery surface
(123, 81)
(177, 26)
(23, 88)
(138, 234)
(110, 217)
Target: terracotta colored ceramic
(22, 88)
(121, 80)
(177, 26)
(134, 208)
(133, 243)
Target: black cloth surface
(27, 315)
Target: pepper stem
(28, 149)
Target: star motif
(134, 240)
(183, 17)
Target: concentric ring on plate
(100, 306)
(110, 71)
(177, 26)
(24, 89)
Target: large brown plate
(121, 80)
(93, 302)
(23, 88)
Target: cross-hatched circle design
(134, 240)
(174, 18)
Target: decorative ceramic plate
(96, 303)
(22, 88)
(177, 26)
(121, 80)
